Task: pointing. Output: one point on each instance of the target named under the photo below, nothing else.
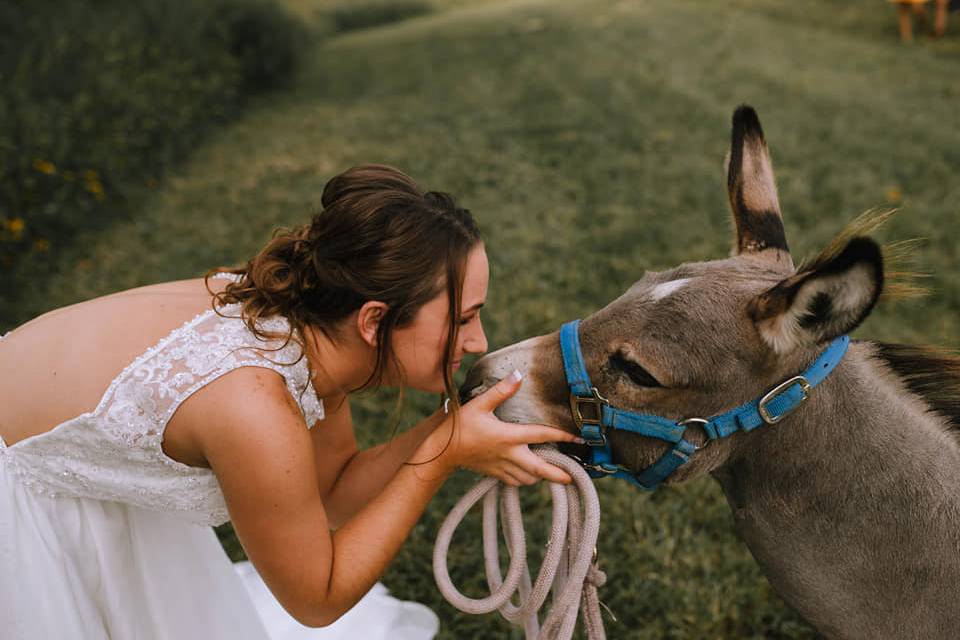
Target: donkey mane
(932, 374)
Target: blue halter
(771, 408)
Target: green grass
(588, 138)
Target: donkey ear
(819, 303)
(752, 190)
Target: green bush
(360, 14)
(101, 97)
(264, 40)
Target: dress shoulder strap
(289, 356)
(147, 394)
(226, 275)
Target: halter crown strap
(594, 415)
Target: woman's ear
(368, 320)
(825, 300)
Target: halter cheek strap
(594, 416)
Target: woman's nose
(475, 341)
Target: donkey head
(701, 338)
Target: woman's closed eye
(637, 374)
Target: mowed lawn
(587, 137)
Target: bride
(132, 423)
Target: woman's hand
(483, 443)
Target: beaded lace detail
(114, 452)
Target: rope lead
(569, 567)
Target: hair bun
(378, 237)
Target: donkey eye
(638, 375)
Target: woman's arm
(367, 472)
(258, 446)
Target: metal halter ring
(699, 421)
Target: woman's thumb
(498, 393)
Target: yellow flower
(16, 225)
(41, 244)
(43, 166)
(92, 184)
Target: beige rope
(569, 567)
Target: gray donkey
(851, 503)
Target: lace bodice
(114, 452)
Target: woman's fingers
(551, 473)
(509, 478)
(498, 393)
(522, 467)
(535, 465)
(519, 473)
(535, 433)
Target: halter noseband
(594, 416)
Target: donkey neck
(851, 506)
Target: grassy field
(587, 137)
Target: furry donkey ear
(826, 299)
(753, 191)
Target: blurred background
(147, 141)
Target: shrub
(101, 97)
(262, 39)
(362, 14)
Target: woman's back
(60, 364)
(106, 439)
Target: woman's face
(420, 345)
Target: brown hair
(378, 237)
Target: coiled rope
(569, 566)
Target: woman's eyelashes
(466, 321)
(637, 374)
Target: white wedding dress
(103, 536)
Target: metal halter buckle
(594, 467)
(599, 468)
(773, 393)
(596, 401)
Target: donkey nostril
(470, 391)
(475, 383)
(487, 384)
